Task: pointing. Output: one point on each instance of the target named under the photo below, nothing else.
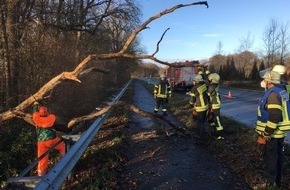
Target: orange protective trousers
(42, 147)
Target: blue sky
(195, 31)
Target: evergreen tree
(232, 70)
(227, 70)
(262, 66)
(254, 75)
(221, 72)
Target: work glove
(155, 96)
(194, 112)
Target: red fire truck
(181, 74)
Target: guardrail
(56, 176)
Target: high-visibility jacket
(285, 124)
(44, 125)
(162, 89)
(265, 108)
(199, 98)
(214, 96)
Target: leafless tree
(40, 34)
(19, 111)
(284, 41)
(246, 43)
(219, 48)
(271, 42)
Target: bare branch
(118, 105)
(144, 25)
(157, 48)
(73, 75)
(93, 114)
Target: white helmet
(162, 76)
(271, 76)
(198, 78)
(281, 69)
(214, 77)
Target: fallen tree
(19, 111)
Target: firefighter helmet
(198, 78)
(42, 111)
(214, 78)
(271, 76)
(281, 69)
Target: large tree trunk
(11, 55)
(5, 60)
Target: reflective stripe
(200, 103)
(285, 124)
(192, 94)
(274, 106)
(220, 127)
(161, 95)
(285, 112)
(272, 125)
(259, 111)
(284, 127)
(201, 89)
(202, 106)
(215, 100)
(216, 106)
(260, 127)
(278, 134)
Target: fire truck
(180, 74)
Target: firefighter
(215, 104)
(162, 93)
(271, 118)
(199, 101)
(46, 135)
(204, 72)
